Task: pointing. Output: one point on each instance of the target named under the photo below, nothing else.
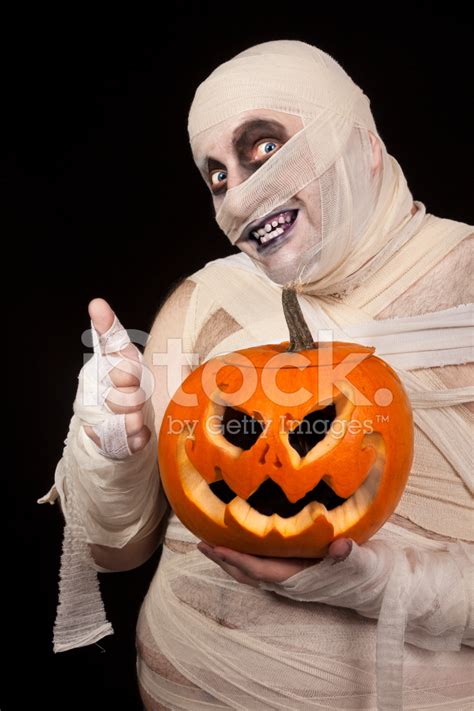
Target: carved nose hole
(264, 454)
(277, 462)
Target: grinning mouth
(272, 228)
(268, 511)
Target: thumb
(340, 549)
(101, 315)
(112, 336)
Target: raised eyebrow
(243, 135)
(213, 164)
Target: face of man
(228, 154)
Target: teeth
(342, 517)
(272, 229)
(271, 235)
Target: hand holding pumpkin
(428, 590)
(252, 570)
(123, 395)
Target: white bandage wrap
(108, 495)
(434, 584)
(421, 597)
(113, 437)
(94, 387)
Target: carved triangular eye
(240, 429)
(312, 429)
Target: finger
(249, 565)
(237, 574)
(340, 549)
(101, 315)
(123, 376)
(262, 568)
(125, 400)
(232, 570)
(139, 441)
(131, 353)
(134, 423)
(108, 334)
(127, 373)
(138, 434)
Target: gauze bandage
(108, 495)
(422, 597)
(364, 216)
(95, 385)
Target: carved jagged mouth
(261, 515)
(270, 499)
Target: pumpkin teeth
(249, 518)
(361, 500)
(315, 509)
(351, 511)
(342, 517)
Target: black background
(107, 202)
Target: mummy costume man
(303, 185)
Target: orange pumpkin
(283, 448)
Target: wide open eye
(265, 148)
(312, 429)
(217, 178)
(240, 429)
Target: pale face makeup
(230, 152)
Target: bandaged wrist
(433, 584)
(116, 500)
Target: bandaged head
(360, 211)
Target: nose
(236, 174)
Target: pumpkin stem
(300, 335)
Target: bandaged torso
(206, 640)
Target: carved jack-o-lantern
(277, 450)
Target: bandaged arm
(427, 592)
(119, 494)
